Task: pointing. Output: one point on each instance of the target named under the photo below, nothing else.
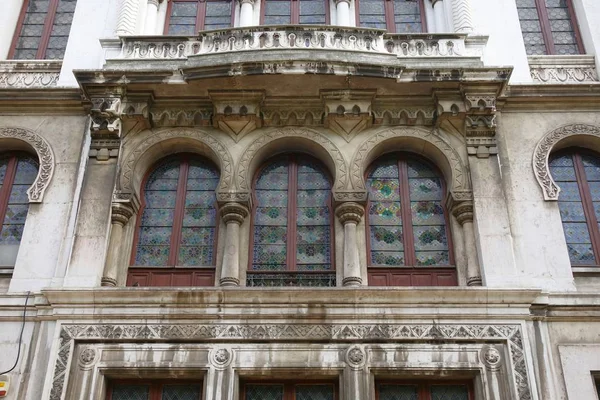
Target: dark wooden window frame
(156, 386)
(547, 31)
(7, 184)
(407, 232)
(586, 198)
(294, 12)
(390, 16)
(424, 386)
(291, 222)
(200, 14)
(289, 386)
(45, 37)
(184, 160)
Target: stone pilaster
(480, 124)
(461, 205)
(121, 214)
(127, 19)
(233, 215)
(350, 214)
(462, 16)
(151, 17)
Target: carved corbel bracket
(480, 124)
(237, 112)
(163, 116)
(106, 116)
(122, 212)
(450, 107)
(126, 199)
(460, 204)
(136, 109)
(242, 198)
(348, 112)
(345, 196)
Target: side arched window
(577, 173)
(17, 173)
(176, 234)
(292, 224)
(408, 237)
(397, 16)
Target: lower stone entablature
(492, 354)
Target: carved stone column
(151, 17)
(121, 214)
(342, 8)
(350, 214)
(233, 215)
(462, 16)
(439, 15)
(462, 209)
(246, 12)
(127, 19)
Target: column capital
(463, 212)
(155, 2)
(434, 2)
(350, 212)
(122, 213)
(251, 2)
(234, 212)
(341, 1)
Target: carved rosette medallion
(491, 357)
(356, 357)
(87, 357)
(221, 358)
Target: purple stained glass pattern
(407, 16)
(449, 392)
(372, 14)
(264, 392)
(182, 20)
(181, 392)
(397, 392)
(314, 392)
(572, 213)
(131, 392)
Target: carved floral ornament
(45, 158)
(544, 148)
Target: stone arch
(417, 140)
(161, 143)
(569, 135)
(291, 138)
(24, 139)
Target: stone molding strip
(45, 158)
(545, 146)
(510, 334)
(24, 75)
(563, 69)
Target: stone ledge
(563, 69)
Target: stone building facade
(300, 199)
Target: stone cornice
(571, 97)
(42, 101)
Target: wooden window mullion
(545, 25)
(576, 32)
(390, 16)
(588, 205)
(9, 178)
(407, 228)
(48, 23)
(292, 219)
(295, 12)
(201, 15)
(178, 214)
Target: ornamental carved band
(45, 158)
(542, 153)
(510, 335)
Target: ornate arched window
(577, 173)
(283, 12)
(17, 173)
(397, 16)
(408, 238)
(176, 233)
(187, 17)
(292, 224)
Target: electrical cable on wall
(20, 337)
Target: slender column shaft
(127, 20)
(464, 215)
(350, 215)
(438, 16)
(233, 215)
(151, 17)
(121, 213)
(246, 12)
(342, 12)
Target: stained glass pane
(181, 392)
(561, 27)
(531, 27)
(407, 16)
(264, 392)
(372, 13)
(61, 27)
(183, 18)
(218, 14)
(314, 392)
(277, 12)
(397, 392)
(31, 32)
(312, 12)
(131, 392)
(449, 392)
(575, 227)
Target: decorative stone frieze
(88, 357)
(509, 335)
(544, 147)
(181, 116)
(45, 157)
(233, 215)
(350, 214)
(237, 112)
(563, 69)
(348, 112)
(480, 124)
(404, 45)
(387, 116)
(30, 74)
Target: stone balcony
(289, 43)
